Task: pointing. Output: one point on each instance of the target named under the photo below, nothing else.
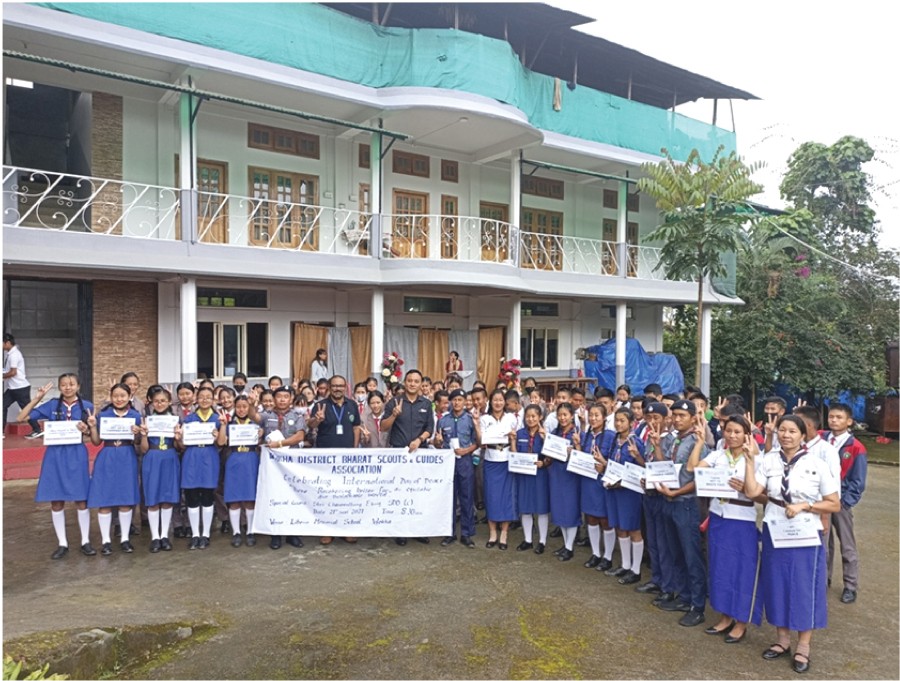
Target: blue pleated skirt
(114, 481)
(499, 492)
(792, 582)
(624, 508)
(733, 548)
(161, 477)
(241, 471)
(594, 497)
(64, 474)
(533, 492)
(200, 468)
(565, 496)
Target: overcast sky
(822, 70)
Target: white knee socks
(528, 526)
(165, 521)
(569, 534)
(104, 520)
(234, 515)
(208, 513)
(625, 550)
(594, 536)
(543, 527)
(153, 517)
(125, 523)
(84, 524)
(249, 512)
(59, 524)
(609, 543)
(194, 518)
(637, 553)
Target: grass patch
(888, 453)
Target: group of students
(785, 463)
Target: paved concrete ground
(376, 610)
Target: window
(365, 156)
(283, 141)
(610, 311)
(449, 170)
(533, 309)
(633, 202)
(425, 305)
(542, 186)
(611, 200)
(406, 163)
(539, 348)
(285, 213)
(224, 349)
(232, 297)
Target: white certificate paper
(161, 425)
(582, 463)
(243, 435)
(632, 478)
(664, 472)
(801, 530)
(523, 463)
(198, 433)
(613, 474)
(62, 433)
(116, 428)
(713, 482)
(495, 434)
(556, 447)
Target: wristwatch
(809, 506)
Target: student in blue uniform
(533, 491)
(241, 472)
(732, 538)
(160, 472)
(114, 481)
(458, 430)
(499, 484)
(625, 505)
(565, 487)
(200, 470)
(64, 468)
(594, 496)
(792, 580)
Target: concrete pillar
(377, 229)
(622, 230)
(377, 329)
(621, 312)
(187, 168)
(514, 330)
(189, 329)
(705, 348)
(515, 209)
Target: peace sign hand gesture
(43, 390)
(770, 424)
(749, 448)
(717, 410)
(700, 426)
(320, 412)
(91, 418)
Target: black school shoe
(59, 553)
(604, 565)
(692, 618)
(524, 546)
(630, 578)
(165, 544)
(593, 562)
(155, 546)
(88, 550)
(648, 588)
(106, 549)
(126, 547)
(446, 541)
(468, 542)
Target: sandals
(798, 666)
(774, 651)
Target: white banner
(354, 492)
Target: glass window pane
(205, 349)
(525, 348)
(231, 349)
(552, 348)
(257, 348)
(539, 350)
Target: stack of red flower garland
(509, 371)
(390, 369)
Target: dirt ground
(376, 610)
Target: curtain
(307, 339)
(361, 352)
(434, 346)
(490, 350)
(339, 361)
(405, 342)
(466, 344)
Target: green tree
(703, 216)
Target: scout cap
(685, 405)
(657, 408)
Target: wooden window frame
(544, 186)
(449, 170)
(401, 158)
(365, 156)
(302, 144)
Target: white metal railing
(65, 202)
(568, 254)
(76, 203)
(450, 237)
(266, 223)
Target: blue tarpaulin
(641, 368)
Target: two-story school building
(211, 188)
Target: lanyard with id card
(339, 428)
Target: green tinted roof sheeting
(317, 39)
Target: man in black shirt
(338, 423)
(410, 420)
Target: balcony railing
(64, 202)
(75, 203)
